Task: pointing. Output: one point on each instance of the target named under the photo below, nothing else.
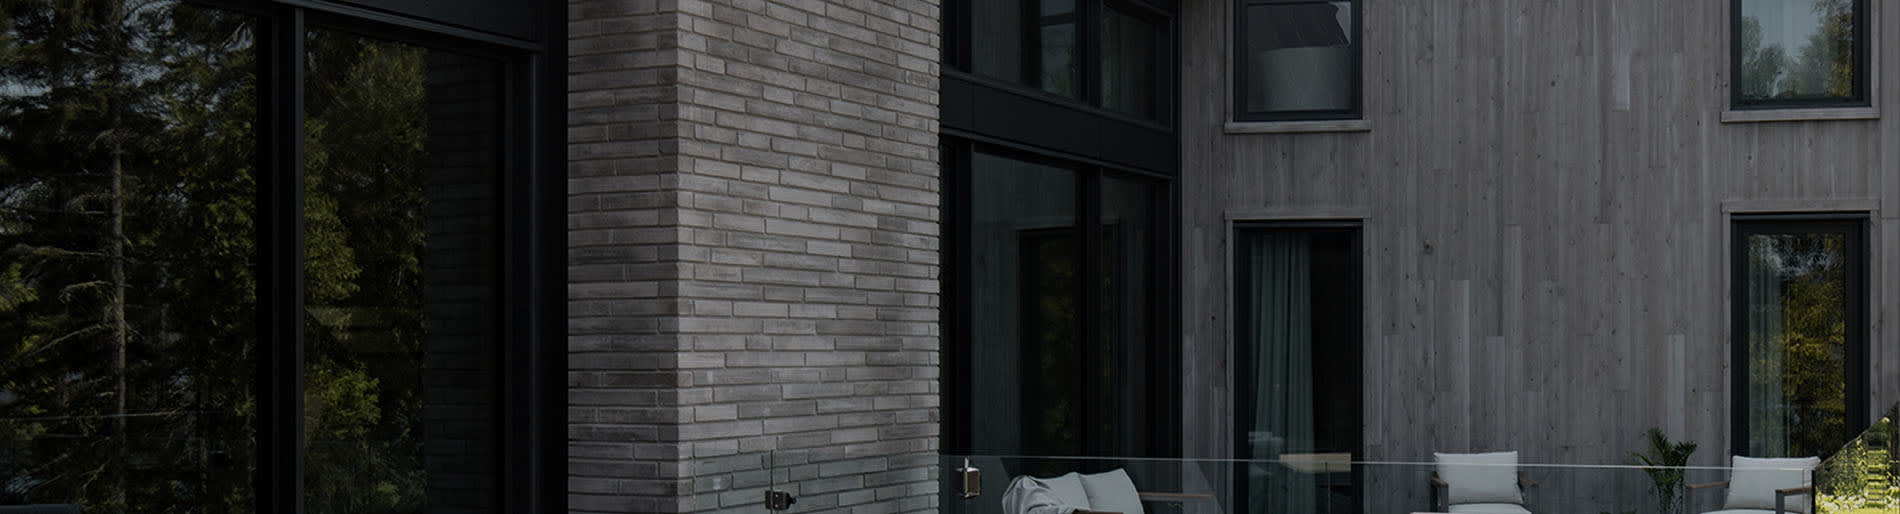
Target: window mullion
(281, 262)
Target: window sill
(1824, 114)
(1295, 127)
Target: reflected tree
(126, 249)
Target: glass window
(1296, 313)
(1033, 43)
(1298, 59)
(1128, 63)
(1026, 299)
(1800, 337)
(1061, 358)
(1127, 272)
(401, 380)
(128, 236)
(1110, 54)
(1799, 52)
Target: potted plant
(1663, 460)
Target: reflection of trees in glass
(1050, 324)
(1822, 67)
(1760, 65)
(1812, 339)
(126, 250)
(364, 132)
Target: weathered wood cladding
(1546, 191)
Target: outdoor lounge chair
(1478, 483)
(1764, 486)
(1110, 492)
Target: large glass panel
(127, 236)
(400, 229)
(1297, 57)
(1796, 343)
(1297, 330)
(1128, 63)
(1033, 43)
(1026, 296)
(1059, 62)
(1796, 50)
(1126, 372)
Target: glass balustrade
(873, 480)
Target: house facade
(604, 256)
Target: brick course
(753, 245)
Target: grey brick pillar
(754, 252)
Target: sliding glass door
(1296, 331)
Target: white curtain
(1767, 408)
(1281, 337)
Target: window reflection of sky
(1784, 22)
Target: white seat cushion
(1754, 481)
(1488, 508)
(1112, 491)
(1479, 477)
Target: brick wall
(753, 254)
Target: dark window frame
(1242, 405)
(1241, 86)
(532, 424)
(1855, 226)
(1863, 71)
(1164, 363)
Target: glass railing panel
(1310, 484)
(1860, 477)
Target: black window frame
(531, 446)
(1863, 71)
(1164, 364)
(1238, 81)
(1855, 226)
(1243, 401)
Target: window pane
(1031, 43)
(127, 236)
(1025, 327)
(1128, 64)
(400, 230)
(1797, 344)
(1127, 267)
(1297, 330)
(1796, 50)
(1298, 57)
(1060, 60)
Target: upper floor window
(1799, 53)
(1296, 60)
(1110, 54)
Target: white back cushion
(1068, 488)
(1112, 491)
(1479, 477)
(1754, 481)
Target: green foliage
(135, 115)
(1663, 461)
(1822, 66)
(1804, 356)
(1861, 476)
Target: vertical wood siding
(1546, 190)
